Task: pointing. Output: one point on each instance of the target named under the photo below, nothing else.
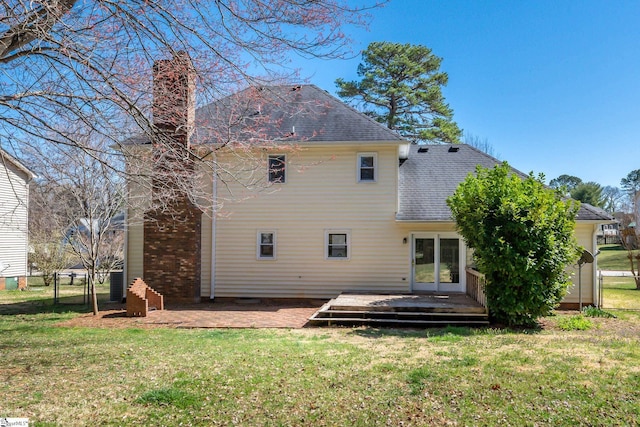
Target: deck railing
(475, 286)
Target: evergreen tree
(589, 192)
(401, 86)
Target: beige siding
(138, 197)
(14, 195)
(321, 193)
(135, 265)
(585, 237)
(205, 239)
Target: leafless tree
(481, 144)
(89, 62)
(84, 197)
(631, 243)
(48, 252)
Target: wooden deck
(418, 309)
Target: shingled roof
(433, 172)
(298, 114)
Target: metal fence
(71, 288)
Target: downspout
(125, 267)
(214, 215)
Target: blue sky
(554, 86)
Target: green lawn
(38, 298)
(319, 376)
(613, 257)
(621, 293)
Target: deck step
(401, 310)
(398, 322)
(363, 313)
(331, 317)
(479, 310)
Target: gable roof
(297, 114)
(6, 157)
(427, 178)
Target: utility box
(116, 281)
(11, 283)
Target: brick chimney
(172, 230)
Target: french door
(437, 262)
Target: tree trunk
(94, 295)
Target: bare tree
(612, 198)
(84, 196)
(48, 252)
(89, 62)
(631, 242)
(481, 144)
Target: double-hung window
(277, 168)
(367, 167)
(266, 245)
(337, 244)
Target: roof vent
(453, 149)
(423, 149)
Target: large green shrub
(522, 236)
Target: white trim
(259, 234)
(284, 162)
(327, 232)
(461, 285)
(359, 167)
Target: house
(327, 201)
(14, 241)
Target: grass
(38, 298)
(332, 376)
(620, 293)
(613, 257)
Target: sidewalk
(614, 273)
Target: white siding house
(14, 241)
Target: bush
(592, 311)
(522, 236)
(574, 323)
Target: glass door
(437, 263)
(424, 264)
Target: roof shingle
(427, 178)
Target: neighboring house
(14, 238)
(350, 206)
(609, 234)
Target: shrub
(574, 323)
(522, 236)
(592, 311)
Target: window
(276, 165)
(266, 245)
(367, 164)
(337, 244)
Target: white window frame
(284, 171)
(359, 167)
(259, 255)
(327, 233)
